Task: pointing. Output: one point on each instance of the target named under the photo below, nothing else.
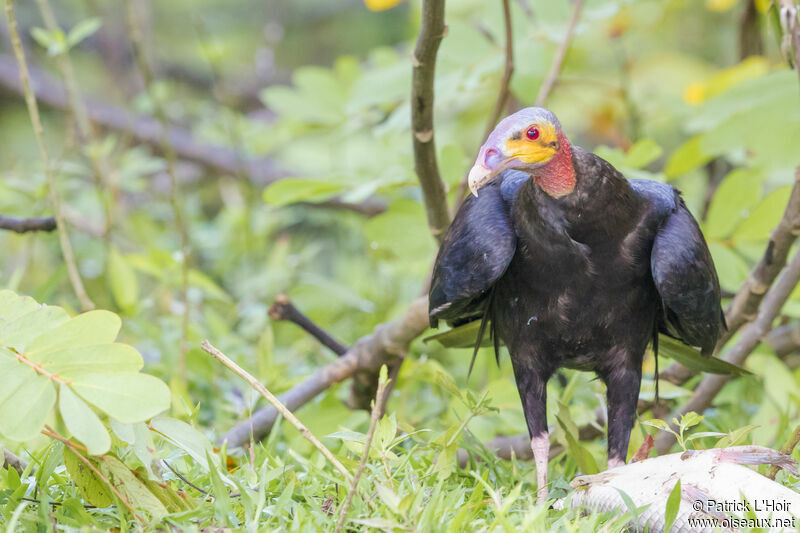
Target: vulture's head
(530, 140)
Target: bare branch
(17, 463)
(278, 405)
(33, 110)
(558, 59)
(144, 129)
(283, 309)
(388, 342)
(24, 225)
(785, 339)
(377, 412)
(431, 33)
(749, 338)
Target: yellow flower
(752, 67)
(381, 5)
(720, 5)
(695, 93)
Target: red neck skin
(557, 176)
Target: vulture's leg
(532, 385)
(622, 396)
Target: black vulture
(573, 265)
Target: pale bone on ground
(706, 476)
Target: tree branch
(748, 340)
(283, 309)
(17, 463)
(144, 129)
(24, 225)
(38, 131)
(431, 33)
(389, 341)
(558, 59)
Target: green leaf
(763, 217)
(21, 330)
(643, 153)
(691, 358)
(673, 504)
(735, 437)
(293, 190)
(123, 280)
(73, 362)
(87, 329)
(185, 437)
(131, 488)
(739, 191)
(82, 30)
(459, 337)
(93, 489)
(128, 397)
(23, 413)
(687, 157)
(82, 422)
(656, 423)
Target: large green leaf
(82, 422)
(45, 357)
(128, 397)
(691, 358)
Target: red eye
(533, 133)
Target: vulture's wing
(475, 252)
(683, 271)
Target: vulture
(572, 265)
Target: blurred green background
(691, 92)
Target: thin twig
(283, 309)
(558, 59)
(38, 131)
(286, 413)
(182, 478)
(387, 342)
(377, 411)
(171, 158)
(502, 94)
(787, 449)
(431, 33)
(50, 432)
(749, 339)
(24, 225)
(97, 162)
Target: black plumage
(584, 280)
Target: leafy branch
(97, 162)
